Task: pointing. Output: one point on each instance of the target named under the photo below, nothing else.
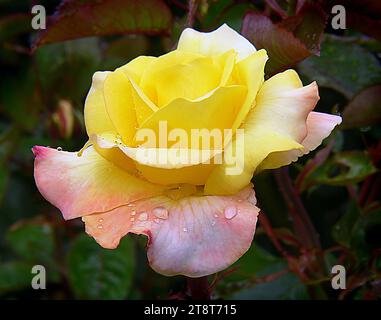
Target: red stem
(198, 288)
(304, 229)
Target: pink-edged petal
(193, 236)
(319, 127)
(82, 185)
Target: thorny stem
(304, 229)
(198, 288)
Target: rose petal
(218, 41)
(276, 123)
(83, 185)
(194, 236)
(319, 126)
(179, 74)
(97, 119)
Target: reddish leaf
(77, 19)
(284, 49)
(364, 109)
(273, 4)
(308, 25)
(365, 24)
(289, 41)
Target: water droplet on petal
(216, 215)
(132, 219)
(100, 220)
(130, 205)
(160, 212)
(230, 212)
(239, 200)
(100, 226)
(213, 223)
(185, 229)
(133, 212)
(59, 149)
(143, 216)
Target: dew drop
(59, 149)
(130, 205)
(132, 219)
(133, 212)
(100, 220)
(100, 226)
(143, 216)
(230, 212)
(185, 229)
(160, 212)
(213, 223)
(216, 215)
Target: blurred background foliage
(323, 210)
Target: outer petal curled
(319, 127)
(79, 186)
(193, 236)
(277, 123)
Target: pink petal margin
(193, 236)
(319, 127)
(80, 186)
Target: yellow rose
(143, 171)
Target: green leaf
(33, 241)
(343, 66)
(364, 109)
(365, 237)
(97, 273)
(15, 275)
(342, 230)
(66, 68)
(19, 98)
(123, 50)
(255, 263)
(14, 25)
(77, 19)
(286, 287)
(343, 168)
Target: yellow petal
(250, 72)
(167, 158)
(126, 104)
(97, 119)
(161, 166)
(216, 110)
(236, 173)
(216, 42)
(185, 75)
(283, 104)
(276, 123)
(136, 67)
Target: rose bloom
(198, 219)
